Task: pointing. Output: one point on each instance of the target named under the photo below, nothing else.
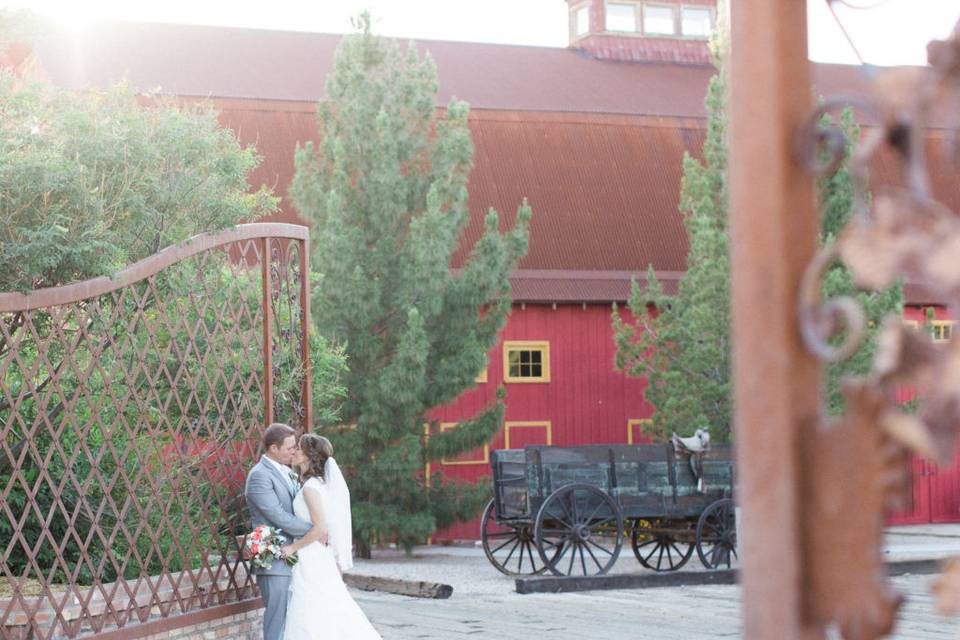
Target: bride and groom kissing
(297, 487)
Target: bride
(320, 606)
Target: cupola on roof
(641, 31)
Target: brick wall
(227, 599)
(243, 626)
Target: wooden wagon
(569, 509)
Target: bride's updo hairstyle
(317, 449)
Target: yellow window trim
(912, 324)
(943, 323)
(636, 422)
(541, 424)
(482, 376)
(526, 345)
(447, 426)
(426, 467)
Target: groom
(270, 489)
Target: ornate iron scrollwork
(903, 234)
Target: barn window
(659, 20)
(697, 22)
(621, 16)
(581, 20)
(526, 361)
(941, 330)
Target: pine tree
(682, 343)
(836, 201)
(386, 194)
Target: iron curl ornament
(903, 234)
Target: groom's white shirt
(284, 469)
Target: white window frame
(637, 24)
(713, 21)
(672, 8)
(575, 13)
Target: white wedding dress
(320, 607)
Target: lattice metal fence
(130, 410)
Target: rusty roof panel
(229, 62)
(596, 146)
(604, 196)
(604, 189)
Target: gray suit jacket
(270, 499)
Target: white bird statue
(697, 443)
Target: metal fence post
(306, 396)
(267, 280)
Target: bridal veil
(339, 523)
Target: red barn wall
(935, 495)
(587, 401)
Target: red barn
(593, 135)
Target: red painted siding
(587, 401)
(935, 496)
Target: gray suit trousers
(275, 591)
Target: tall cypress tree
(386, 195)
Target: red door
(917, 510)
(944, 491)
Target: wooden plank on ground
(411, 588)
(556, 584)
(564, 584)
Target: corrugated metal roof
(603, 189)
(229, 62)
(189, 60)
(595, 146)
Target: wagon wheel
(717, 534)
(658, 549)
(509, 548)
(579, 529)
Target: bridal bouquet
(262, 546)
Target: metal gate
(130, 409)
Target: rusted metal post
(265, 259)
(773, 226)
(306, 394)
